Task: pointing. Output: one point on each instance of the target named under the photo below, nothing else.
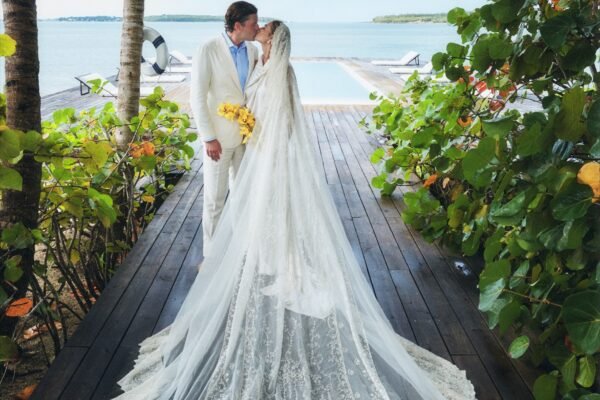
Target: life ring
(162, 53)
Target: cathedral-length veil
(280, 309)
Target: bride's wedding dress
(280, 309)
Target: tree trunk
(132, 37)
(22, 113)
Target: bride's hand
(213, 149)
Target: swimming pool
(330, 83)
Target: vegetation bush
(516, 182)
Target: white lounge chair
(164, 78)
(410, 57)
(179, 70)
(179, 56)
(108, 89)
(426, 69)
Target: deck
(429, 296)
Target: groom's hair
(239, 11)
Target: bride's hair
(281, 42)
(274, 25)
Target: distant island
(96, 18)
(411, 18)
(151, 18)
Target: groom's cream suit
(215, 81)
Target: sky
(288, 10)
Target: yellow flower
(242, 115)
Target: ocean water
(69, 49)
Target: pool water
(330, 83)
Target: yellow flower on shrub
(589, 174)
(241, 115)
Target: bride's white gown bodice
(280, 310)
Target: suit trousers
(218, 177)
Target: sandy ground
(38, 351)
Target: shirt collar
(230, 42)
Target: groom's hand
(213, 149)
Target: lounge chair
(163, 78)
(179, 70)
(409, 58)
(426, 69)
(108, 89)
(179, 56)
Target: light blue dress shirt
(240, 59)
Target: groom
(220, 70)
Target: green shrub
(520, 188)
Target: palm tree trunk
(22, 113)
(132, 37)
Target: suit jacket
(215, 81)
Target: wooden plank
(147, 315)
(477, 374)
(381, 280)
(438, 304)
(328, 162)
(384, 288)
(63, 367)
(425, 329)
(422, 324)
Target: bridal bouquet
(243, 116)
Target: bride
(280, 309)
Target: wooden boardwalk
(426, 297)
